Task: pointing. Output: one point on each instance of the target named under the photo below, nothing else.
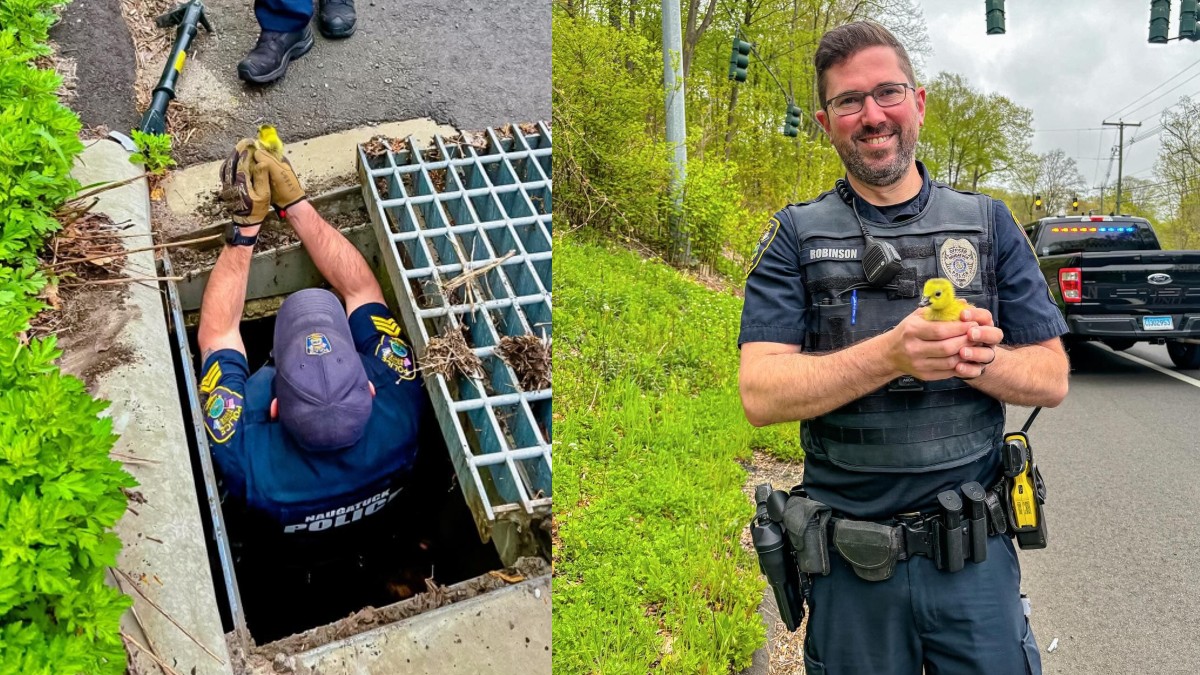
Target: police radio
(881, 260)
(1025, 491)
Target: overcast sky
(1075, 64)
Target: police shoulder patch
(222, 411)
(764, 242)
(397, 355)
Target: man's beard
(887, 174)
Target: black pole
(154, 121)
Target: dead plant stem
(186, 242)
(161, 664)
(168, 616)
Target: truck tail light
(1070, 282)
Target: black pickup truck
(1114, 283)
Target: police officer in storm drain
(896, 409)
(317, 443)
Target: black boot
(337, 18)
(269, 59)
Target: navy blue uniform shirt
(776, 311)
(306, 492)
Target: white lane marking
(1153, 366)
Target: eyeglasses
(885, 95)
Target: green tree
(1178, 174)
(970, 136)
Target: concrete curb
(147, 414)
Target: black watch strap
(234, 237)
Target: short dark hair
(845, 41)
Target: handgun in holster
(1025, 492)
(775, 554)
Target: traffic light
(1187, 20)
(1037, 202)
(739, 59)
(1160, 21)
(995, 16)
(791, 121)
(1075, 203)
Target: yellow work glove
(285, 186)
(245, 185)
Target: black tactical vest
(908, 426)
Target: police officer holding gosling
(903, 418)
(322, 440)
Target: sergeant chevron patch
(211, 378)
(386, 326)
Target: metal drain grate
(453, 208)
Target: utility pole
(681, 249)
(1120, 153)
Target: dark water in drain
(428, 531)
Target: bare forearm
(797, 386)
(338, 261)
(224, 299)
(1030, 375)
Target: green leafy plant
(154, 151)
(60, 493)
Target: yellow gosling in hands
(939, 301)
(268, 140)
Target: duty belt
(948, 540)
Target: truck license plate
(1158, 323)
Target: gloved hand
(285, 186)
(245, 185)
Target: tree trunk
(733, 97)
(694, 33)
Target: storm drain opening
(464, 229)
(432, 536)
(428, 553)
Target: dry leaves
(449, 355)
(529, 357)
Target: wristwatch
(234, 236)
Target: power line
(1130, 112)
(1152, 131)
(1044, 131)
(1119, 110)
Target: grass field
(649, 572)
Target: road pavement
(1119, 585)
(462, 64)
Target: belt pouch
(870, 548)
(997, 521)
(979, 534)
(807, 524)
(948, 548)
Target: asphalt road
(463, 64)
(1119, 584)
